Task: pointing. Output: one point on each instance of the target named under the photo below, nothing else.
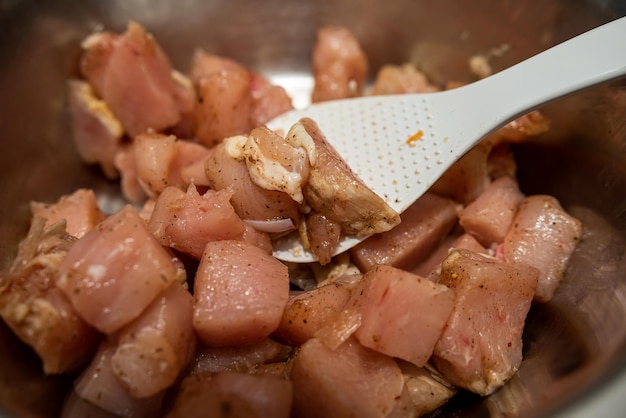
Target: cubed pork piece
(351, 381)
(133, 76)
(96, 132)
(233, 395)
(481, 345)
(98, 385)
(268, 100)
(544, 236)
(466, 179)
(339, 65)
(79, 209)
(423, 225)
(431, 267)
(333, 189)
(187, 221)
(308, 312)
(224, 99)
(489, 217)
(153, 349)
(132, 189)
(526, 126)
(244, 359)
(321, 236)
(427, 389)
(400, 79)
(39, 313)
(240, 293)
(249, 200)
(185, 98)
(115, 271)
(402, 315)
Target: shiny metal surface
(575, 347)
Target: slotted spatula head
(399, 145)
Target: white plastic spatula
(400, 145)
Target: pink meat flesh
(402, 315)
(481, 346)
(423, 225)
(98, 385)
(152, 350)
(339, 65)
(187, 221)
(489, 217)
(400, 79)
(268, 101)
(36, 311)
(132, 189)
(132, 75)
(430, 268)
(351, 381)
(115, 271)
(308, 312)
(240, 293)
(544, 236)
(79, 210)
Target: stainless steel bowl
(575, 346)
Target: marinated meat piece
(333, 190)
(133, 76)
(244, 359)
(187, 167)
(98, 385)
(351, 381)
(402, 315)
(501, 162)
(96, 131)
(308, 312)
(467, 178)
(268, 101)
(153, 154)
(531, 124)
(427, 389)
(544, 236)
(232, 395)
(249, 200)
(187, 221)
(115, 271)
(423, 225)
(152, 350)
(401, 79)
(257, 238)
(481, 345)
(79, 209)
(431, 267)
(489, 217)
(240, 294)
(36, 311)
(224, 100)
(339, 65)
(322, 237)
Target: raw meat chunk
(152, 350)
(544, 236)
(240, 294)
(115, 271)
(187, 221)
(351, 381)
(133, 76)
(36, 311)
(489, 217)
(400, 79)
(79, 210)
(481, 345)
(339, 65)
(423, 225)
(402, 315)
